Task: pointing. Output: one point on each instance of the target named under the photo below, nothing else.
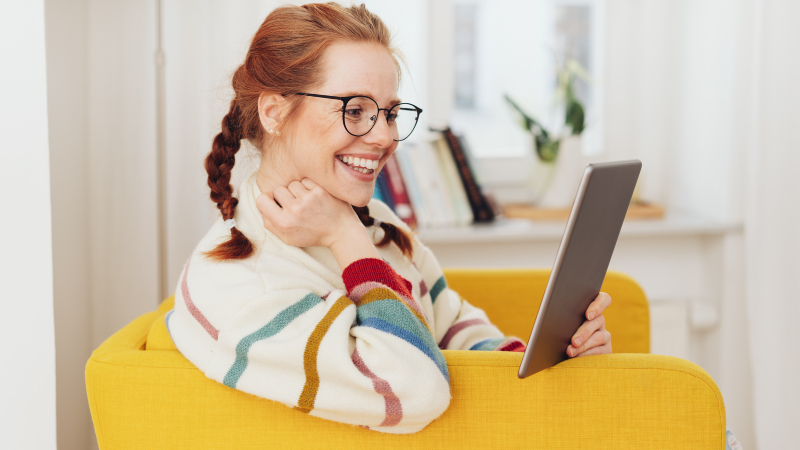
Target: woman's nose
(380, 134)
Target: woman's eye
(391, 118)
(353, 113)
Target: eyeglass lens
(361, 114)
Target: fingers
(600, 339)
(600, 350)
(270, 210)
(283, 196)
(599, 304)
(297, 189)
(308, 183)
(586, 329)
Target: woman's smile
(363, 167)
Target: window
(514, 47)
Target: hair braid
(219, 165)
(391, 233)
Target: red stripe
(373, 269)
(187, 299)
(458, 327)
(514, 346)
(394, 410)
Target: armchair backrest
(511, 299)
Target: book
(426, 167)
(413, 186)
(395, 184)
(382, 189)
(480, 205)
(452, 182)
(378, 193)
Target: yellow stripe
(309, 394)
(387, 294)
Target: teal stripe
(396, 313)
(274, 326)
(437, 288)
(488, 344)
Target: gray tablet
(582, 260)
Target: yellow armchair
(143, 394)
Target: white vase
(564, 176)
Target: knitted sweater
(362, 346)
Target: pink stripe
(458, 327)
(394, 410)
(187, 299)
(361, 290)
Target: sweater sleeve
(458, 324)
(364, 356)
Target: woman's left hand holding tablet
(592, 338)
(303, 214)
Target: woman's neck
(269, 178)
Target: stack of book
(433, 184)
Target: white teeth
(362, 165)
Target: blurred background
(703, 92)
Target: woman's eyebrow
(392, 102)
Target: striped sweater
(362, 346)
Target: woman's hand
(303, 214)
(592, 337)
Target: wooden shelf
(635, 212)
(525, 230)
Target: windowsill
(523, 230)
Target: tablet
(581, 262)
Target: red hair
(285, 57)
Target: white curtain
(773, 225)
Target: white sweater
(360, 347)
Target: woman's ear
(270, 111)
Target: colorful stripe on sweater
(501, 344)
(273, 327)
(187, 299)
(390, 308)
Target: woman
(307, 291)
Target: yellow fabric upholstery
(143, 394)
(511, 299)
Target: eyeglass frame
(344, 107)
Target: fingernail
(592, 315)
(577, 341)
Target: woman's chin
(361, 202)
(359, 198)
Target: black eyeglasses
(360, 114)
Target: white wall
(27, 381)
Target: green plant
(547, 144)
